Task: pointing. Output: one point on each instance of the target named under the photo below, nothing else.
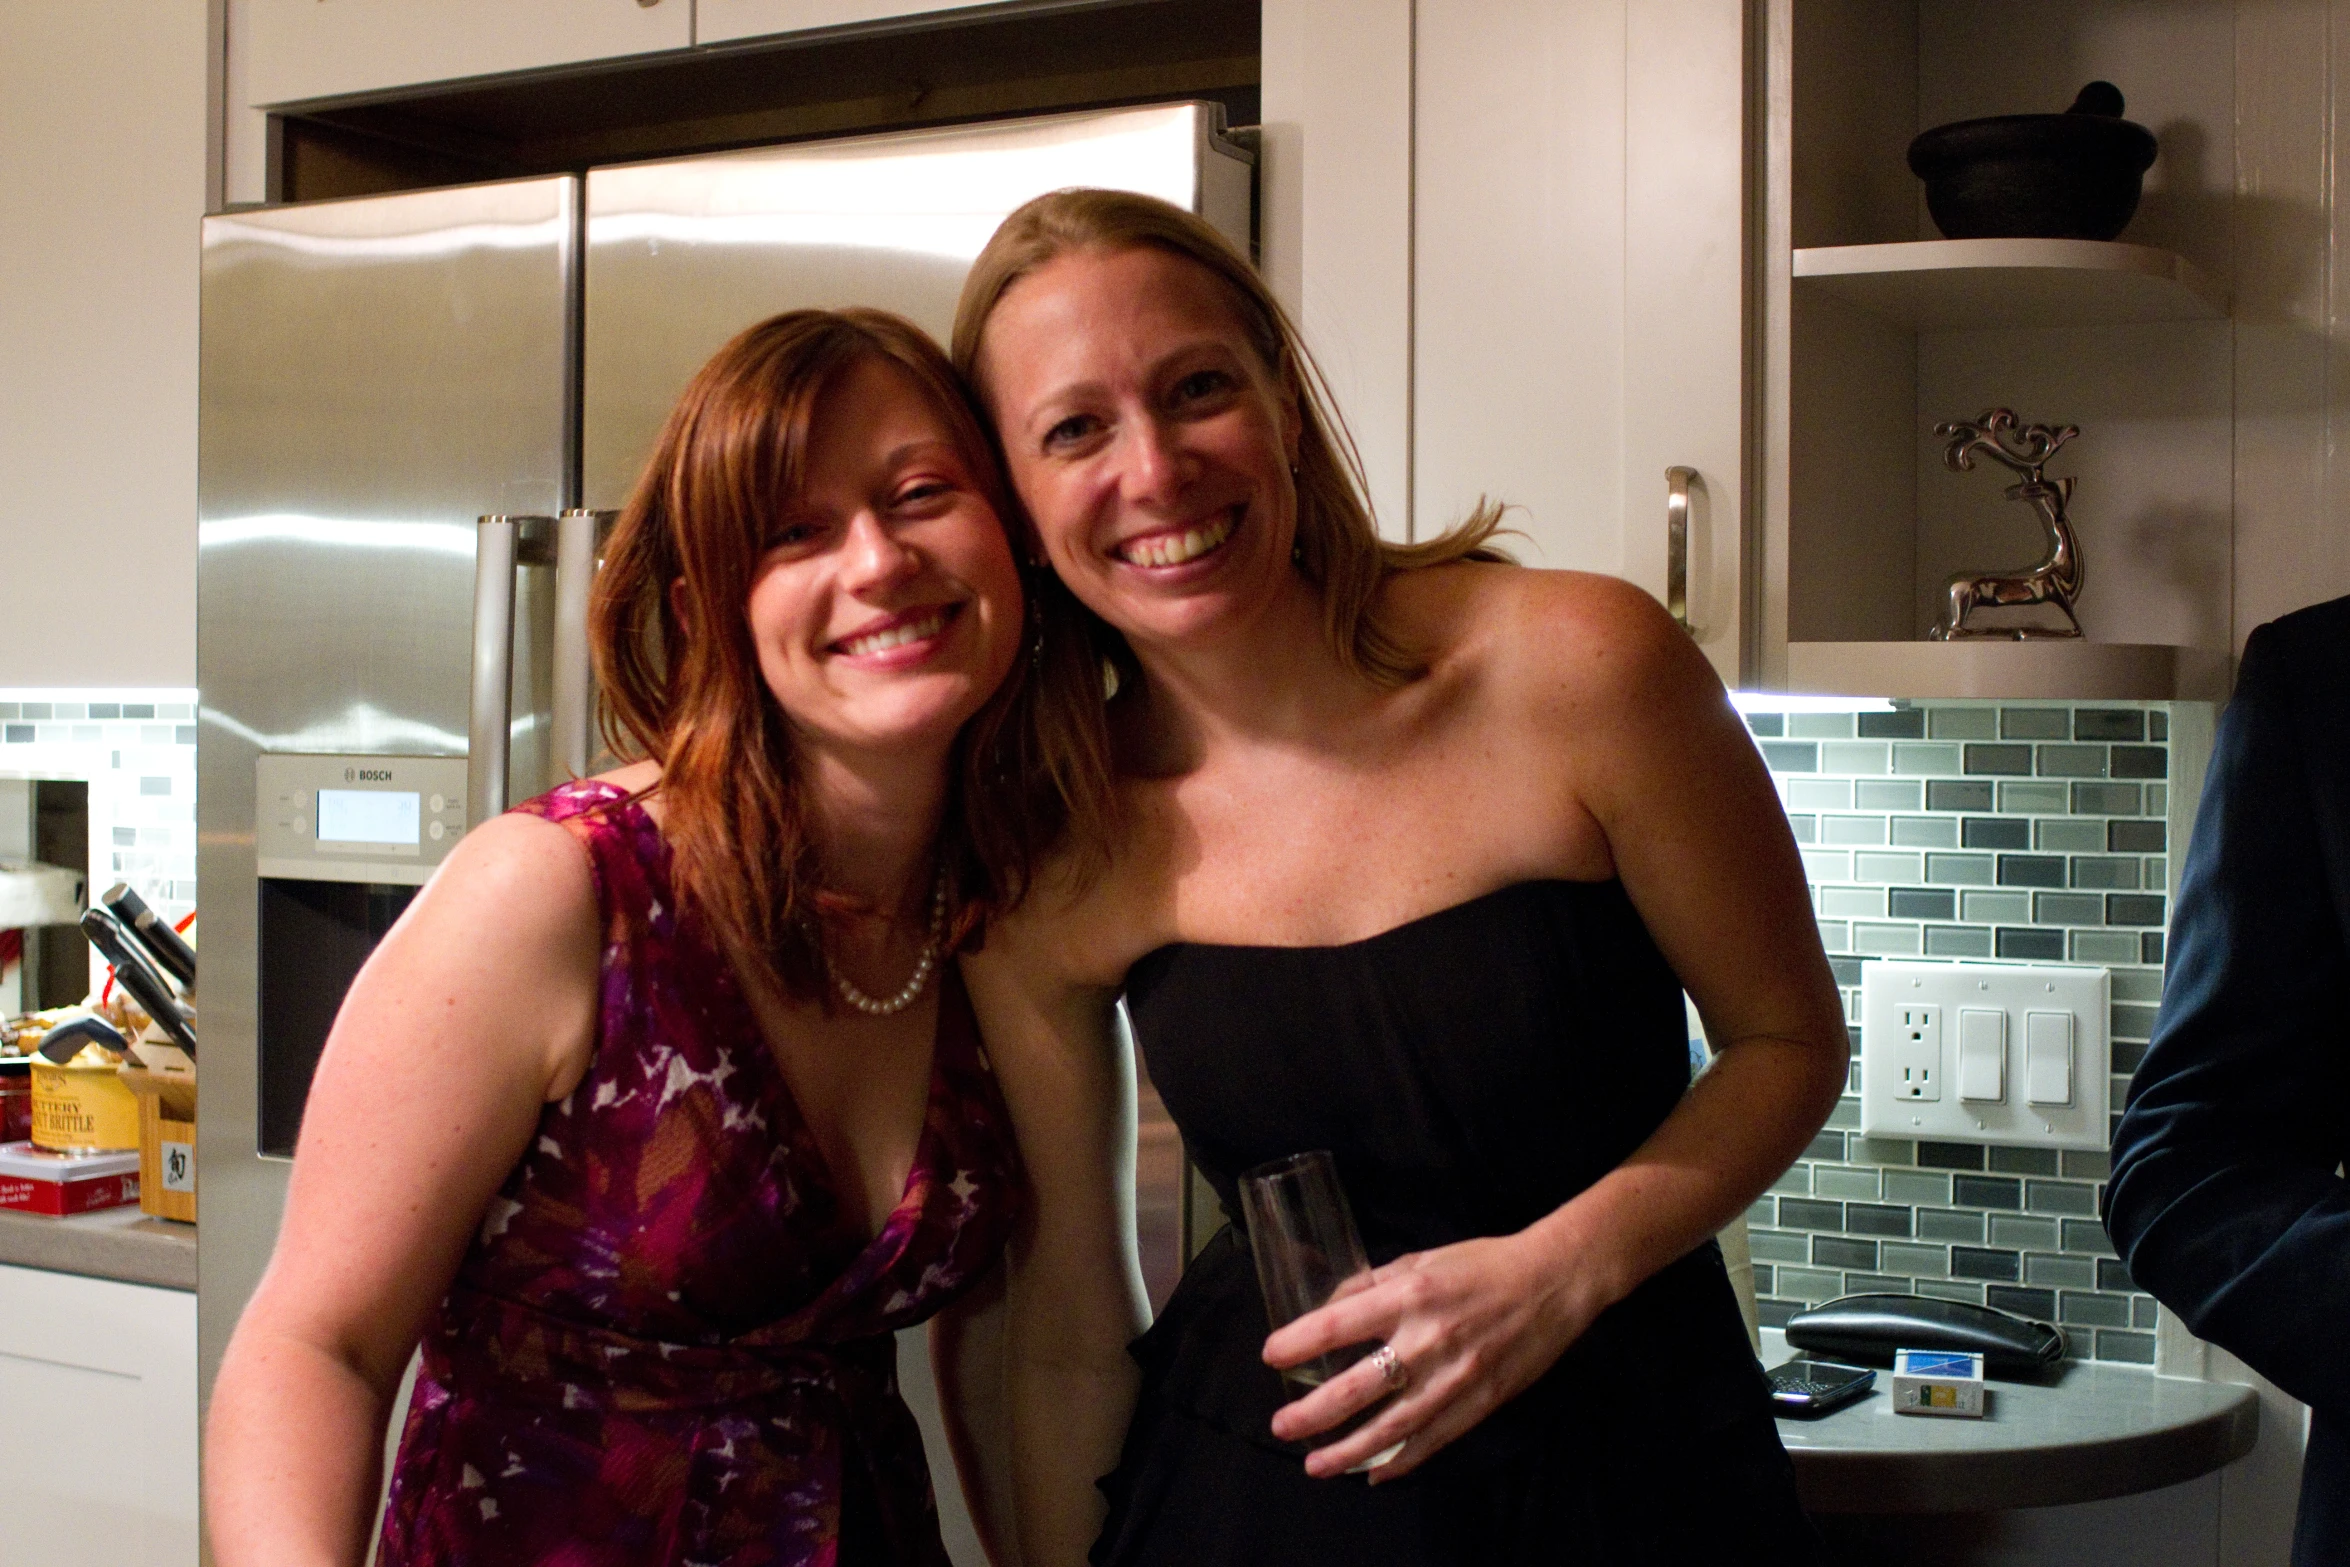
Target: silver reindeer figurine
(2025, 448)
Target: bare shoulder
(502, 944)
(536, 869)
(1081, 926)
(512, 851)
(518, 883)
(1560, 641)
(1085, 923)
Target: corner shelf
(2047, 670)
(1946, 284)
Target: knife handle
(62, 1043)
(174, 955)
(147, 987)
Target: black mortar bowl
(2033, 176)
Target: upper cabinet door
(1688, 383)
(1579, 284)
(297, 50)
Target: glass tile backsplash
(2031, 833)
(137, 749)
(1937, 830)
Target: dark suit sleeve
(2224, 1197)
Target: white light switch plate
(1968, 1052)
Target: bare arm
(476, 1008)
(1074, 1298)
(1648, 748)
(1703, 848)
(967, 1361)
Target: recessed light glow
(1788, 702)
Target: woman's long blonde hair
(1339, 549)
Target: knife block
(167, 1141)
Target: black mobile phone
(1809, 1388)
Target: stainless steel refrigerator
(417, 411)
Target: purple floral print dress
(669, 1344)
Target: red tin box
(35, 1180)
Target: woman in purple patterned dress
(662, 1109)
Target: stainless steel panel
(287, 832)
(682, 255)
(375, 375)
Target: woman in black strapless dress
(1416, 856)
(1471, 1071)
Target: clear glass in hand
(1303, 1237)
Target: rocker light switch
(1982, 1054)
(2005, 1054)
(2048, 1058)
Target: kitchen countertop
(2087, 1431)
(113, 1243)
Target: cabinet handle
(579, 553)
(1677, 543)
(502, 543)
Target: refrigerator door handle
(579, 555)
(503, 543)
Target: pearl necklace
(904, 996)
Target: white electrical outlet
(2028, 1059)
(1915, 1059)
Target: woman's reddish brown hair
(681, 681)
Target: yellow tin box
(83, 1108)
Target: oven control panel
(385, 819)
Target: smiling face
(1149, 441)
(886, 608)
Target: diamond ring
(1391, 1367)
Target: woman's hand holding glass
(1471, 1325)
(1302, 1236)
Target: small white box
(1938, 1382)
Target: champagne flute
(1303, 1236)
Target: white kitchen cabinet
(98, 1444)
(1579, 278)
(2291, 230)
(721, 21)
(1334, 216)
(291, 51)
(102, 116)
(1514, 232)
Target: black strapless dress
(1471, 1071)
